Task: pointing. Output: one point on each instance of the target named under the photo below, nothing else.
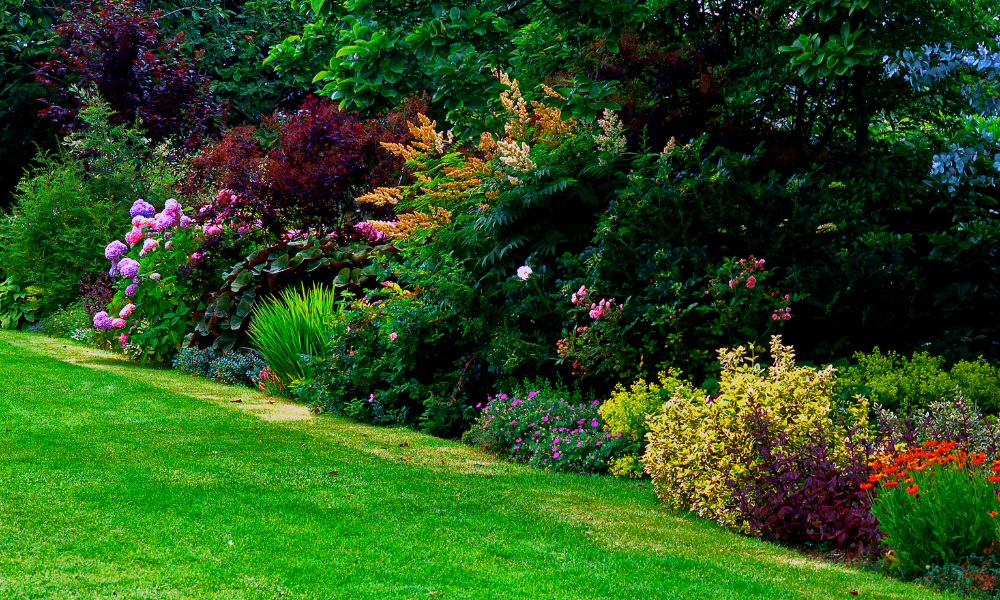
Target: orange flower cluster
(892, 470)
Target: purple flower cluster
(549, 431)
(141, 208)
(128, 267)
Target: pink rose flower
(751, 282)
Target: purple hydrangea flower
(114, 251)
(154, 276)
(186, 222)
(128, 267)
(113, 272)
(102, 320)
(131, 289)
(143, 208)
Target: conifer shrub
(626, 411)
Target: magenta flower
(751, 282)
(392, 336)
(118, 323)
(102, 320)
(131, 290)
(127, 311)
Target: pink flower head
(196, 256)
(730, 284)
(148, 246)
(580, 296)
(118, 323)
(123, 338)
(127, 311)
(172, 207)
(167, 245)
(751, 282)
(186, 222)
(392, 336)
(532, 395)
(524, 272)
(131, 289)
(599, 310)
(155, 276)
(164, 221)
(132, 238)
(211, 228)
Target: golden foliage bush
(697, 443)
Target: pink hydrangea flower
(128, 267)
(127, 311)
(123, 339)
(132, 238)
(148, 246)
(118, 323)
(211, 229)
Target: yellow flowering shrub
(697, 443)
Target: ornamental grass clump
(937, 504)
(697, 444)
(293, 325)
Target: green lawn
(118, 481)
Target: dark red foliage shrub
(117, 48)
(805, 496)
(300, 171)
(96, 292)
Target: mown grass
(124, 482)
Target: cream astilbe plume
(513, 102)
(611, 139)
(517, 157)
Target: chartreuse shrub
(898, 382)
(548, 427)
(627, 410)
(936, 504)
(697, 443)
(292, 325)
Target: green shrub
(410, 352)
(935, 505)
(292, 325)
(898, 382)
(699, 444)
(196, 361)
(68, 208)
(627, 410)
